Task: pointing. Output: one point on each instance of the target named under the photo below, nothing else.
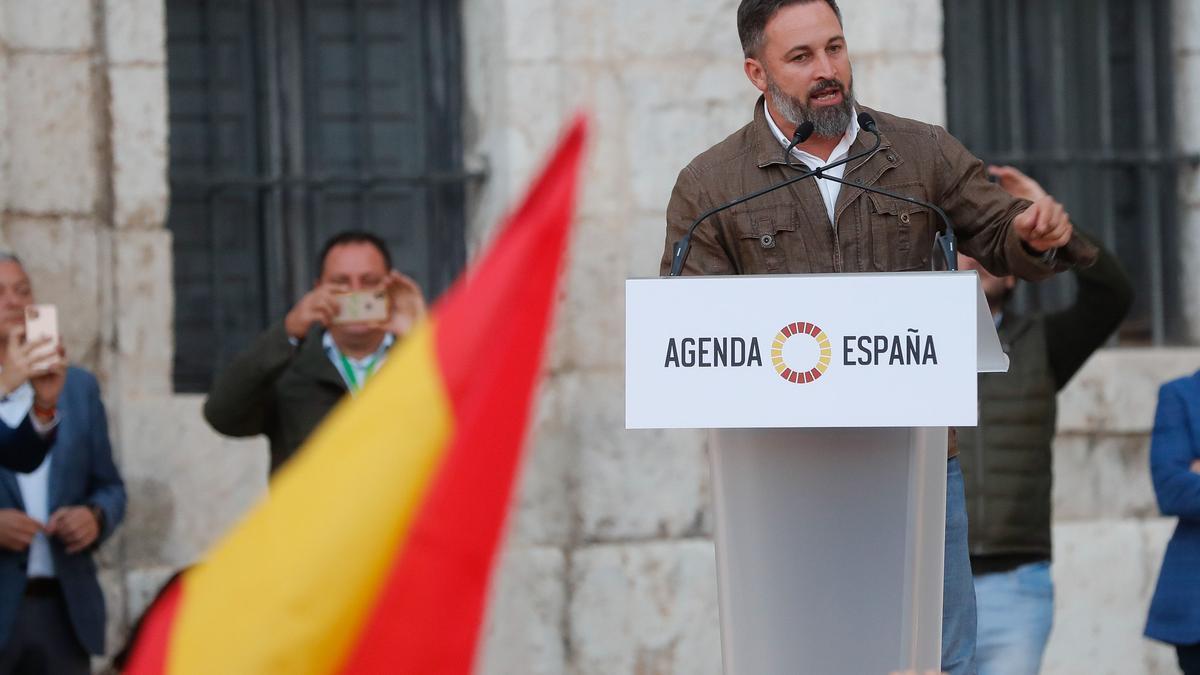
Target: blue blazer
(83, 473)
(1175, 609)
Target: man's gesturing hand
(23, 360)
(1016, 183)
(1045, 225)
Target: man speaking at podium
(796, 55)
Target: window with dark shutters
(1079, 94)
(291, 120)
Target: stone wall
(51, 181)
(83, 188)
(609, 567)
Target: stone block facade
(609, 567)
(648, 608)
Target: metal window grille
(291, 120)
(1078, 94)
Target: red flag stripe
(149, 656)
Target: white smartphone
(366, 306)
(41, 321)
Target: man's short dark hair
(753, 15)
(352, 237)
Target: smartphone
(42, 321)
(362, 306)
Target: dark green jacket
(1007, 459)
(277, 389)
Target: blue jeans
(958, 590)
(1016, 610)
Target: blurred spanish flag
(374, 550)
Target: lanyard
(349, 371)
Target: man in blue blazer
(52, 611)
(1175, 468)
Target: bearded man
(795, 53)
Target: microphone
(803, 132)
(683, 246)
(945, 240)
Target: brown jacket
(788, 231)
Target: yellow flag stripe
(344, 503)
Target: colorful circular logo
(801, 375)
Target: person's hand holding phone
(28, 361)
(317, 306)
(48, 378)
(407, 303)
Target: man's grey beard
(828, 121)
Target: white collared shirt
(829, 189)
(364, 367)
(35, 486)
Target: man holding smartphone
(330, 343)
(52, 518)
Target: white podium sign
(829, 398)
(777, 351)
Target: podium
(828, 399)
